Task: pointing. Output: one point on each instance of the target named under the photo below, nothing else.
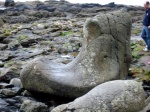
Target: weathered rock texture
(113, 96)
(147, 105)
(105, 56)
(32, 106)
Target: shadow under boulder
(105, 56)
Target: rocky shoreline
(53, 29)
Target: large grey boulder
(113, 96)
(105, 56)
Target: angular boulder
(113, 96)
(105, 56)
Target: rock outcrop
(105, 56)
(113, 96)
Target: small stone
(10, 92)
(16, 82)
(32, 106)
(11, 101)
(55, 34)
(3, 46)
(26, 93)
(20, 99)
(40, 26)
(1, 64)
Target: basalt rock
(113, 96)
(9, 3)
(105, 56)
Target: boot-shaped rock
(105, 56)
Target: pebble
(10, 92)
(1, 64)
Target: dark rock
(5, 109)
(2, 96)
(39, 14)
(21, 99)
(12, 108)
(74, 9)
(6, 39)
(11, 101)
(9, 3)
(90, 5)
(22, 7)
(1, 64)
(44, 7)
(3, 46)
(2, 10)
(112, 4)
(3, 103)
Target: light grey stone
(113, 96)
(105, 56)
(16, 82)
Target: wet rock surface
(53, 29)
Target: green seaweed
(66, 33)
